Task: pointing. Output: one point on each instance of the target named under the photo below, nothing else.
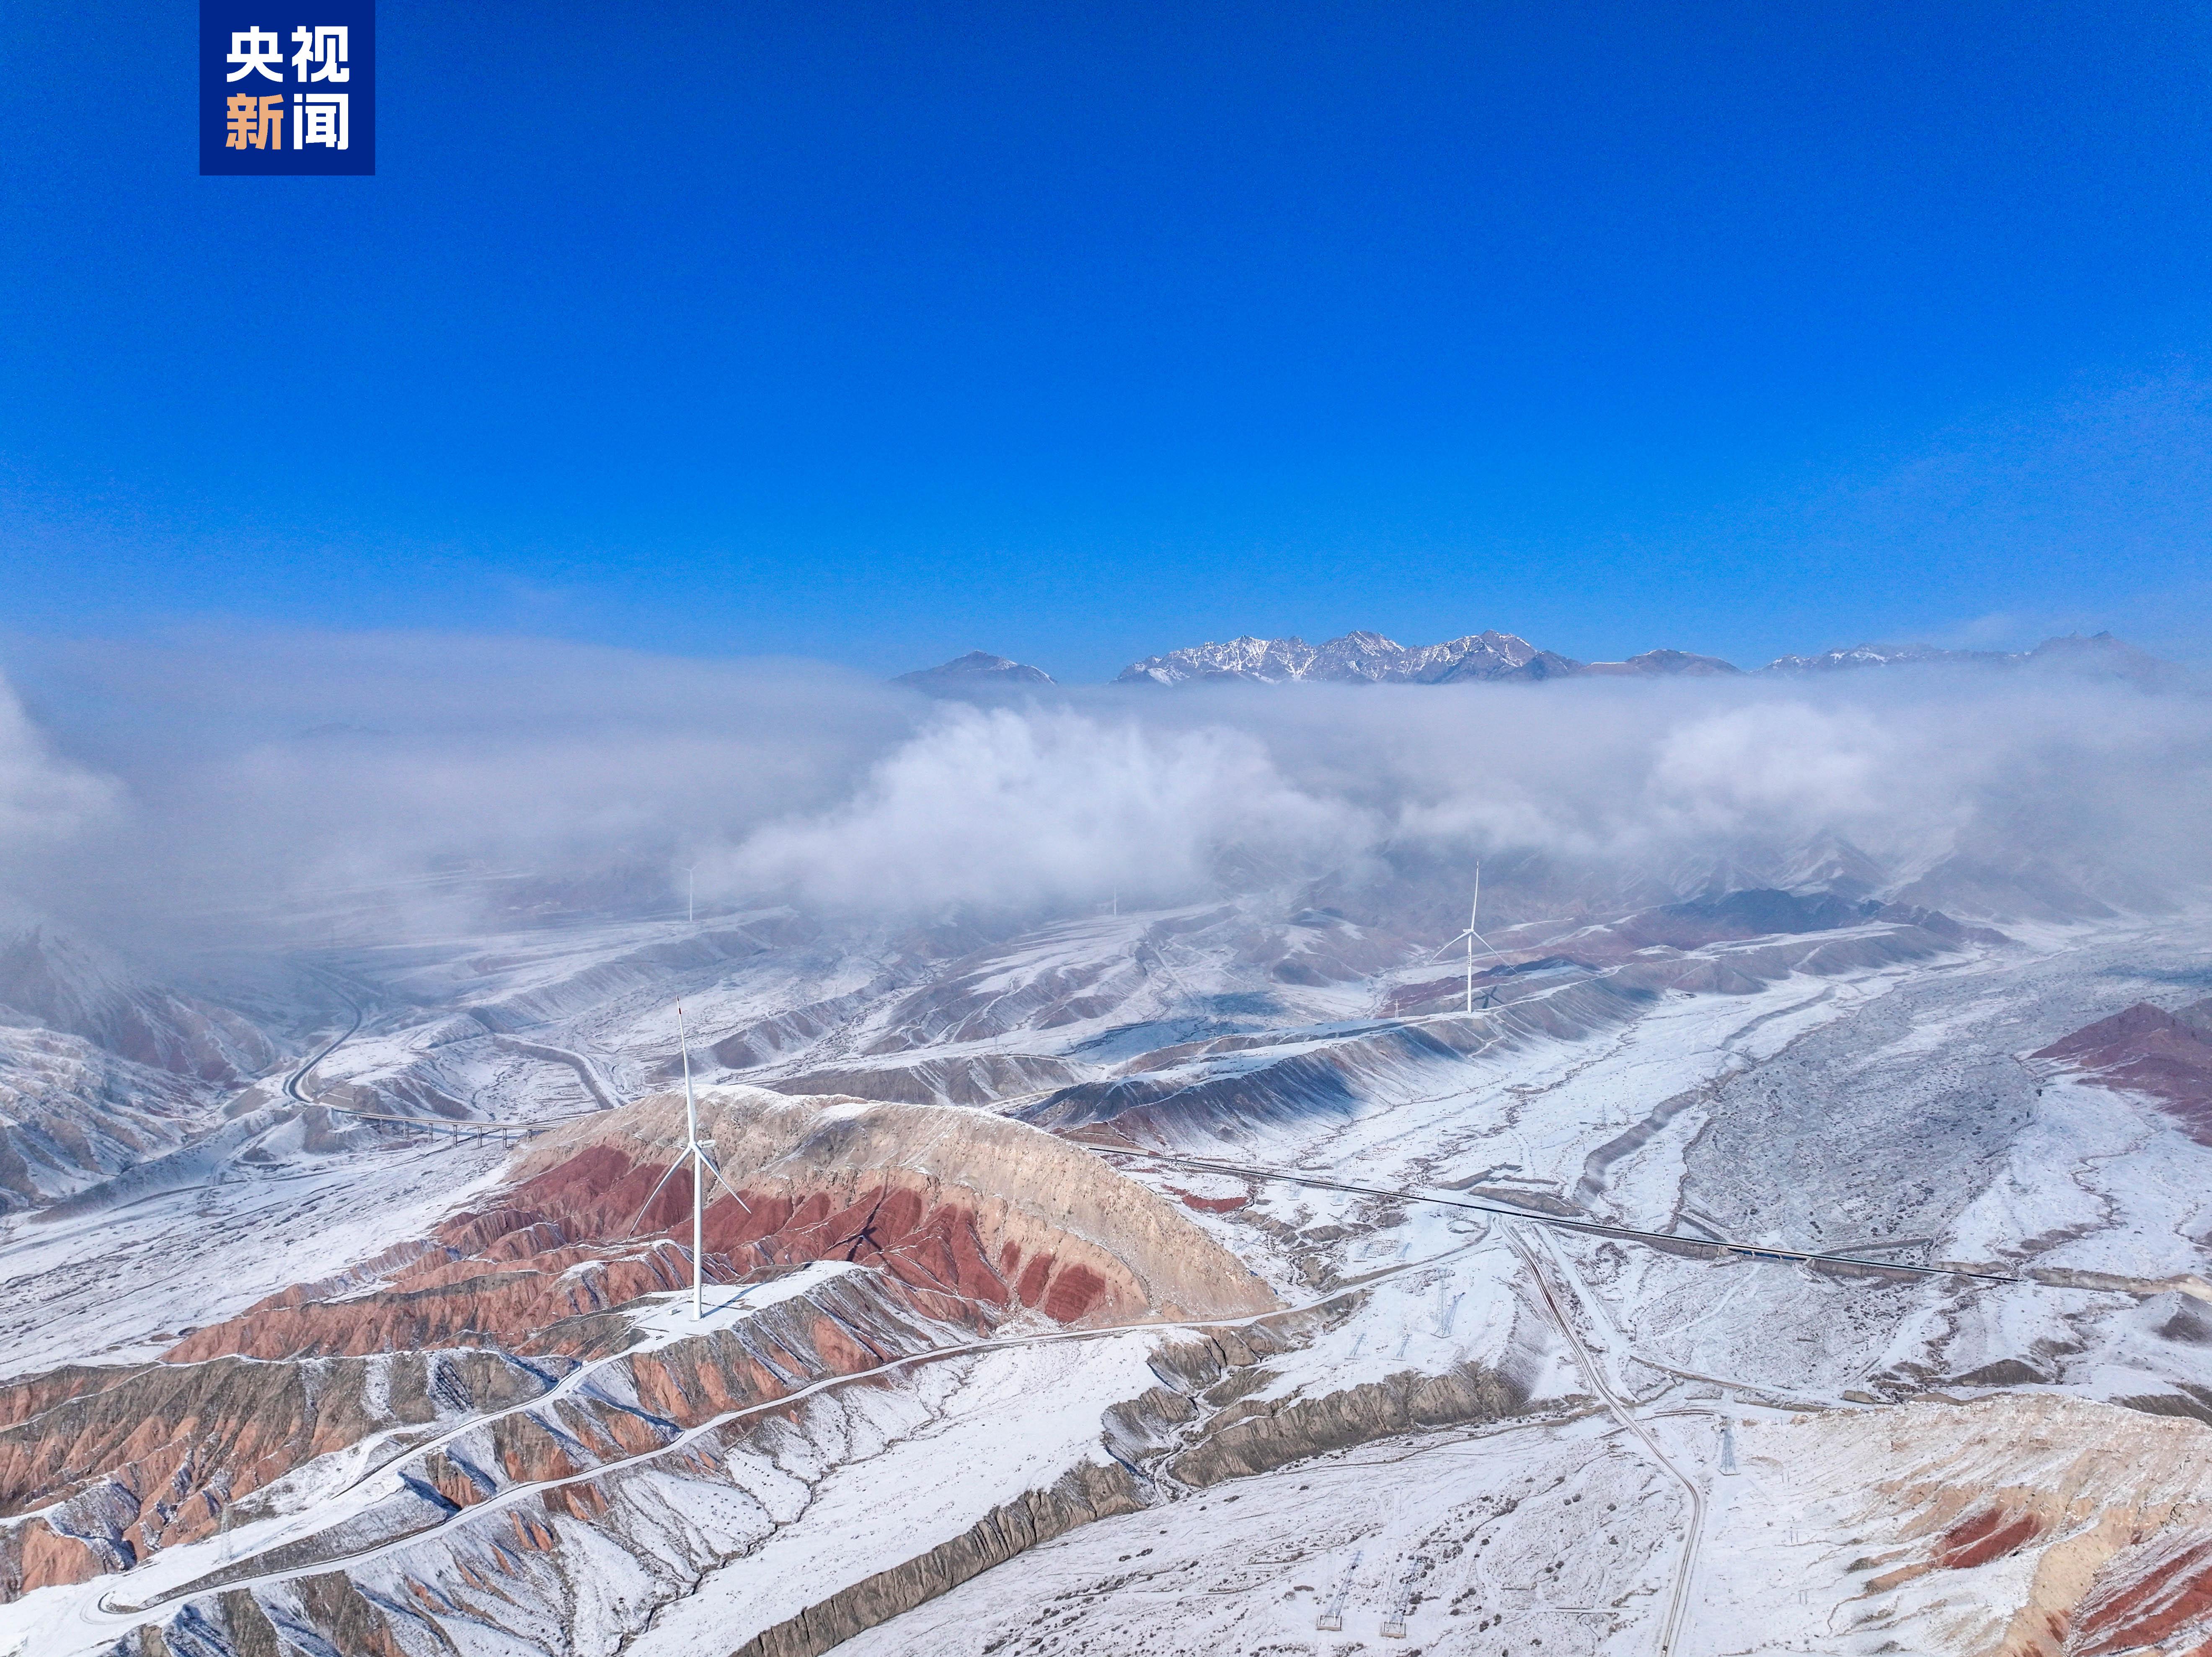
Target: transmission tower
(1331, 1620)
(1402, 1603)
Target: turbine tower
(698, 1180)
(1471, 937)
(695, 1151)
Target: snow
(664, 1319)
(120, 1285)
(1860, 1106)
(1015, 1422)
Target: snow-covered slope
(72, 1113)
(67, 984)
(1364, 658)
(102, 1069)
(2101, 653)
(1195, 1253)
(1359, 658)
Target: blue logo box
(288, 86)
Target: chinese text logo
(310, 109)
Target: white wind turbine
(695, 1148)
(1471, 937)
(698, 1174)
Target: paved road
(292, 1087)
(1665, 1240)
(1533, 1255)
(470, 1128)
(100, 1611)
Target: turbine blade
(1486, 944)
(726, 1186)
(664, 1179)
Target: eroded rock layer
(957, 1199)
(2074, 1529)
(2145, 1049)
(965, 1218)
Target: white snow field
(1486, 1415)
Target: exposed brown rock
(1087, 1492)
(139, 1458)
(957, 1199)
(2145, 1049)
(2104, 1514)
(970, 1217)
(1989, 1534)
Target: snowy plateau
(1792, 1263)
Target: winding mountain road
(101, 1611)
(1678, 1607)
(292, 1082)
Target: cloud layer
(43, 798)
(266, 772)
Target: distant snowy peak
(1359, 658)
(2099, 654)
(1665, 665)
(1837, 660)
(1364, 658)
(978, 670)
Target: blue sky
(879, 333)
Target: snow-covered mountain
(2099, 654)
(1740, 1230)
(1359, 658)
(1858, 656)
(102, 1069)
(977, 669)
(1198, 1274)
(1364, 658)
(66, 983)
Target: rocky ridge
(2028, 1525)
(101, 1069)
(1359, 658)
(1366, 658)
(962, 1220)
(71, 1114)
(65, 984)
(1011, 1214)
(2145, 1049)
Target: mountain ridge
(979, 670)
(1363, 657)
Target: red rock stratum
(2148, 1050)
(971, 1218)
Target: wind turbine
(695, 1148)
(698, 1179)
(691, 908)
(1472, 937)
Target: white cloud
(795, 781)
(44, 799)
(1045, 807)
(1780, 766)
